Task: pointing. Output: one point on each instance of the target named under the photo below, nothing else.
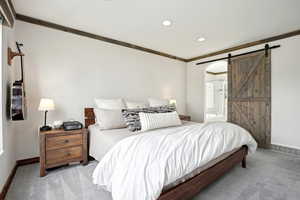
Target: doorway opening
(216, 92)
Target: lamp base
(45, 128)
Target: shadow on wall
(8, 100)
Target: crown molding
(246, 45)
(93, 36)
(13, 10)
(6, 10)
(216, 73)
(40, 22)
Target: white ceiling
(224, 23)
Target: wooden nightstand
(185, 117)
(59, 147)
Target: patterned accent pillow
(132, 119)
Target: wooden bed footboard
(193, 186)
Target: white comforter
(138, 167)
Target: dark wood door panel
(249, 95)
(252, 116)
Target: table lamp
(172, 102)
(46, 105)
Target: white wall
(7, 157)
(195, 92)
(73, 70)
(285, 91)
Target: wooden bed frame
(193, 186)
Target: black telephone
(72, 125)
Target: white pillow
(110, 104)
(109, 119)
(135, 105)
(158, 102)
(151, 121)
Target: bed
(100, 141)
(188, 185)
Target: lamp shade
(46, 104)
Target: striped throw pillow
(151, 121)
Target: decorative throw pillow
(134, 105)
(158, 102)
(132, 119)
(151, 121)
(110, 104)
(109, 119)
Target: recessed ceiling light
(201, 39)
(167, 23)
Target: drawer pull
(68, 154)
(66, 141)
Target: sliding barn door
(249, 95)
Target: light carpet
(269, 176)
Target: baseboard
(13, 173)
(28, 161)
(8, 182)
(285, 149)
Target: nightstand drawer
(59, 142)
(62, 155)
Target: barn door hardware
(229, 58)
(266, 49)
